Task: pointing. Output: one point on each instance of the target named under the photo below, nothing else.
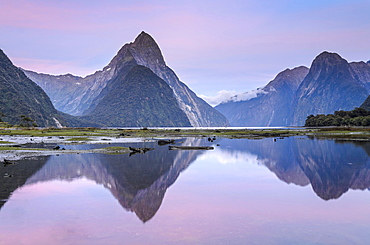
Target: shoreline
(13, 141)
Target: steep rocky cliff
(361, 72)
(329, 86)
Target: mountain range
(126, 97)
(330, 84)
(138, 89)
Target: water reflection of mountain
(331, 167)
(138, 182)
(15, 175)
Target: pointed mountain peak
(289, 77)
(326, 63)
(329, 57)
(4, 58)
(289, 72)
(146, 51)
(143, 34)
(144, 40)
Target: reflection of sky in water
(223, 197)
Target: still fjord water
(292, 191)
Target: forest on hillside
(356, 117)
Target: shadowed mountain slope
(20, 96)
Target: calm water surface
(292, 191)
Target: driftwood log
(134, 150)
(178, 147)
(165, 142)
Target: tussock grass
(115, 148)
(83, 134)
(6, 142)
(9, 148)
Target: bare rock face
(79, 96)
(361, 71)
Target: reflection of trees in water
(138, 182)
(331, 167)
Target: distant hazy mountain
(269, 106)
(20, 96)
(331, 84)
(70, 94)
(80, 96)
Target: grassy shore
(85, 133)
(13, 141)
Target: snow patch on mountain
(247, 95)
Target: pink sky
(212, 46)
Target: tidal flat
(16, 143)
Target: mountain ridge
(271, 106)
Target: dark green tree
(27, 122)
(356, 117)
